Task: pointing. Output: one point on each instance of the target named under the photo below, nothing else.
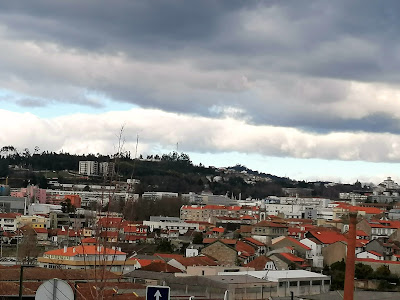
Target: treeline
(173, 172)
(387, 279)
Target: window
(316, 282)
(293, 283)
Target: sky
(304, 89)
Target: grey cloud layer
(319, 66)
(83, 133)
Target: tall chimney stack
(351, 258)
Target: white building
(87, 257)
(8, 221)
(106, 168)
(370, 254)
(88, 167)
(300, 282)
(158, 195)
(316, 251)
(170, 223)
(298, 211)
(42, 209)
(389, 184)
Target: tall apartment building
(88, 167)
(106, 168)
(208, 213)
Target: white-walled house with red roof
(8, 221)
(370, 254)
(316, 251)
(87, 257)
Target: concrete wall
(334, 252)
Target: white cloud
(83, 133)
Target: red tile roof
(161, 266)
(292, 257)
(375, 253)
(270, 224)
(294, 241)
(383, 262)
(145, 262)
(245, 248)
(328, 237)
(258, 263)
(40, 230)
(254, 241)
(9, 215)
(218, 229)
(361, 233)
(91, 240)
(197, 261)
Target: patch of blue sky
(49, 108)
(303, 169)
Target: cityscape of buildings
(273, 246)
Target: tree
(3, 167)
(198, 238)
(382, 272)
(363, 271)
(28, 250)
(67, 207)
(165, 246)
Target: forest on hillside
(173, 172)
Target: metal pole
(55, 289)
(21, 274)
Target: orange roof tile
(258, 263)
(254, 241)
(292, 257)
(375, 253)
(296, 242)
(328, 236)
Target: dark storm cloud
(284, 63)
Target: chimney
(351, 258)
(65, 249)
(73, 250)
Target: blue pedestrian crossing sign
(157, 292)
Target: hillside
(170, 172)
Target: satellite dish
(54, 289)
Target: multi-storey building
(208, 213)
(106, 168)
(88, 167)
(33, 221)
(86, 257)
(8, 221)
(268, 230)
(158, 195)
(170, 223)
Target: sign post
(157, 292)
